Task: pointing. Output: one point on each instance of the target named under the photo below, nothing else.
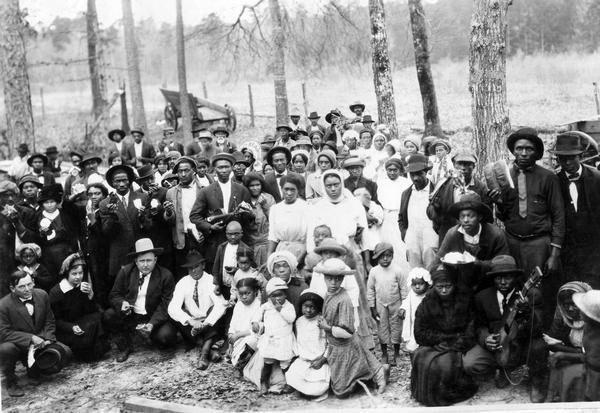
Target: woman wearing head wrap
(78, 319)
(284, 265)
(565, 341)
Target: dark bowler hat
(504, 264)
(51, 150)
(284, 126)
(278, 149)
(144, 172)
(144, 245)
(193, 259)
(114, 132)
(333, 112)
(526, 133)
(43, 157)
(418, 162)
(472, 200)
(223, 156)
(367, 119)
(570, 143)
(52, 358)
(185, 159)
(120, 168)
(29, 178)
(220, 128)
(90, 157)
(137, 130)
(314, 115)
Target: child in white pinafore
(242, 340)
(274, 323)
(419, 280)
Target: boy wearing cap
(30, 186)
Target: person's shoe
(12, 387)
(203, 362)
(264, 389)
(500, 380)
(215, 356)
(385, 359)
(124, 355)
(536, 395)
(394, 362)
(33, 381)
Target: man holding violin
(506, 308)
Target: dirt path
(171, 376)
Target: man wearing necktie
(533, 213)
(580, 188)
(279, 157)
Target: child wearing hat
(420, 282)
(386, 289)
(442, 165)
(349, 361)
(28, 255)
(274, 322)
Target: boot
(11, 384)
(381, 378)
(500, 379)
(203, 361)
(537, 393)
(125, 347)
(265, 375)
(124, 354)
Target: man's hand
(494, 195)
(492, 342)
(255, 327)
(401, 313)
(77, 330)
(126, 307)
(555, 358)
(217, 226)
(38, 342)
(169, 207)
(552, 263)
(217, 290)
(144, 328)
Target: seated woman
(445, 330)
(565, 341)
(283, 264)
(78, 318)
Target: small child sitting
(386, 289)
(240, 336)
(420, 281)
(274, 323)
(29, 255)
(309, 374)
(245, 269)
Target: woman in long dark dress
(78, 317)
(444, 329)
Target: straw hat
(589, 303)
(333, 266)
(144, 245)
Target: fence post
(251, 106)
(43, 106)
(304, 100)
(204, 90)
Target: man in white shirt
(141, 152)
(196, 310)
(139, 300)
(19, 167)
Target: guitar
(509, 328)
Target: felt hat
(331, 146)
(167, 177)
(437, 142)
(161, 158)
(589, 304)
(275, 284)
(570, 143)
(353, 161)
(144, 245)
(367, 119)
(51, 150)
(240, 158)
(414, 139)
(186, 159)
(504, 264)
(90, 157)
(114, 132)
(380, 248)
(526, 133)
(278, 149)
(329, 154)
(418, 162)
(51, 192)
(137, 130)
(120, 168)
(284, 126)
(75, 153)
(193, 259)
(300, 132)
(222, 156)
(221, 129)
(314, 115)
(309, 295)
(8, 186)
(144, 172)
(356, 104)
(316, 132)
(29, 178)
(330, 244)
(303, 140)
(464, 155)
(295, 112)
(51, 358)
(441, 273)
(333, 112)
(472, 200)
(268, 140)
(43, 157)
(333, 266)
(202, 160)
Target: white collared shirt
(188, 198)
(119, 146)
(573, 189)
(182, 307)
(226, 190)
(138, 149)
(28, 306)
(500, 298)
(65, 286)
(470, 239)
(139, 307)
(278, 179)
(229, 260)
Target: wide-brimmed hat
(418, 162)
(221, 128)
(77, 153)
(51, 192)
(414, 139)
(51, 150)
(303, 153)
(193, 259)
(380, 248)
(29, 178)
(137, 130)
(570, 143)
(367, 119)
(314, 115)
(504, 264)
(295, 112)
(203, 133)
(144, 245)
(330, 244)
(119, 132)
(356, 104)
(144, 172)
(353, 161)
(437, 142)
(589, 304)
(316, 132)
(168, 176)
(275, 284)
(333, 266)
(278, 149)
(300, 132)
(223, 156)
(526, 133)
(464, 155)
(472, 200)
(173, 154)
(240, 158)
(333, 112)
(89, 157)
(268, 140)
(284, 126)
(43, 157)
(350, 134)
(51, 358)
(185, 159)
(120, 168)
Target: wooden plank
(141, 404)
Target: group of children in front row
(281, 340)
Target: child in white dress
(420, 281)
(242, 340)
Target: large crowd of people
(310, 261)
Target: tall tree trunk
(186, 111)
(13, 64)
(382, 68)
(95, 61)
(278, 65)
(487, 81)
(133, 67)
(421, 45)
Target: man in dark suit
(219, 198)
(38, 162)
(26, 320)
(119, 147)
(355, 166)
(121, 220)
(140, 298)
(580, 188)
(53, 161)
(279, 157)
(492, 307)
(141, 152)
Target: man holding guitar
(509, 327)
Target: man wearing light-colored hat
(139, 299)
(355, 167)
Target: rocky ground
(172, 376)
